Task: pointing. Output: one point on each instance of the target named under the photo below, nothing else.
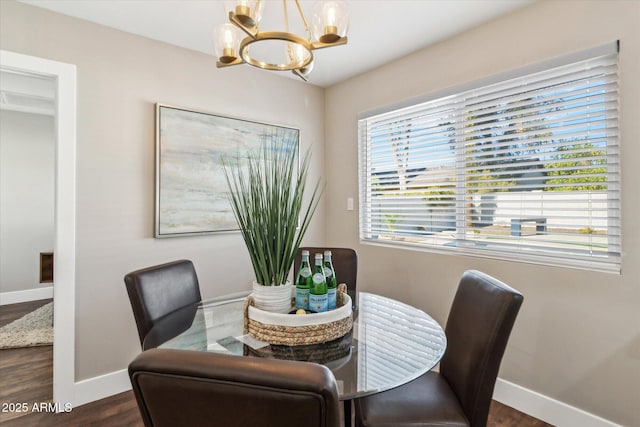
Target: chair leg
(347, 413)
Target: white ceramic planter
(275, 299)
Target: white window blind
(523, 169)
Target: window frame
(610, 263)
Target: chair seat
(425, 401)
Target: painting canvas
(191, 189)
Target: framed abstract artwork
(191, 188)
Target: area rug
(32, 329)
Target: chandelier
(330, 22)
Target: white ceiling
(380, 31)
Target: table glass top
(390, 344)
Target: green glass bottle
(303, 282)
(330, 277)
(318, 298)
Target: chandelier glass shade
(260, 49)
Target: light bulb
(330, 21)
(242, 8)
(228, 39)
(330, 15)
(226, 43)
(296, 52)
(248, 12)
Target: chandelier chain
(286, 15)
(304, 20)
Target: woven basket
(332, 353)
(292, 330)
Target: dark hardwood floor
(26, 376)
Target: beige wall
(577, 338)
(120, 78)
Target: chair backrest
(193, 388)
(478, 328)
(345, 262)
(157, 291)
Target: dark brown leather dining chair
(478, 328)
(345, 263)
(159, 290)
(194, 388)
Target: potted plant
(267, 199)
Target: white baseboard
(545, 408)
(97, 388)
(16, 297)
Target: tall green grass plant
(267, 199)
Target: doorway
(27, 199)
(64, 78)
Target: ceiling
(380, 31)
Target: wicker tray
(291, 329)
(333, 354)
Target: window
(524, 168)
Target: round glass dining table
(391, 343)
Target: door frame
(64, 319)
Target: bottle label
(302, 298)
(331, 298)
(318, 278)
(305, 272)
(318, 303)
(327, 272)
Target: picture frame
(191, 188)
